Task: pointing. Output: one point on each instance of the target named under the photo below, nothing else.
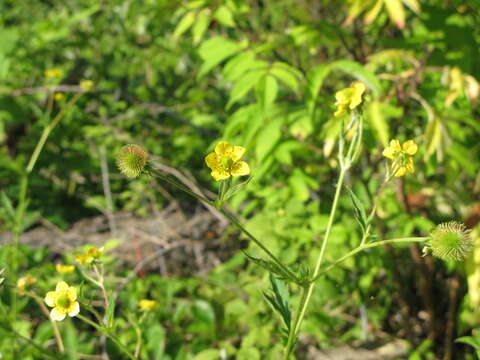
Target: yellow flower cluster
(63, 301)
(401, 156)
(349, 98)
(225, 161)
(90, 256)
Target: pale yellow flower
(26, 281)
(225, 161)
(90, 256)
(401, 156)
(63, 301)
(349, 98)
(64, 269)
(86, 85)
(59, 96)
(147, 305)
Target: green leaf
(373, 12)
(286, 74)
(279, 300)
(469, 340)
(414, 5)
(224, 16)
(266, 90)
(433, 137)
(209, 354)
(239, 64)
(272, 267)
(378, 122)
(215, 50)
(299, 185)
(7, 206)
(243, 86)
(315, 80)
(201, 25)
(360, 213)
(267, 138)
(184, 24)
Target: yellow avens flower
(86, 85)
(401, 156)
(53, 73)
(64, 269)
(349, 98)
(59, 96)
(225, 161)
(63, 301)
(26, 281)
(92, 254)
(147, 305)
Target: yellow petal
(74, 310)
(409, 166)
(395, 144)
(389, 152)
(212, 161)
(340, 111)
(358, 90)
(237, 152)
(401, 171)
(343, 96)
(50, 298)
(61, 286)
(240, 168)
(410, 147)
(220, 174)
(72, 293)
(57, 315)
(223, 148)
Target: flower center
(63, 301)
(227, 163)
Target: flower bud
(451, 241)
(132, 160)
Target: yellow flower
(63, 301)
(147, 305)
(349, 98)
(86, 85)
(59, 96)
(64, 269)
(53, 73)
(92, 254)
(225, 161)
(26, 281)
(401, 156)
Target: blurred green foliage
(176, 77)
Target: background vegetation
(178, 76)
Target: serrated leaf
(266, 90)
(286, 74)
(184, 24)
(215, 50)
(273, 268)
(202, 21)
(280, 300)
(243, 86)
(224, 16)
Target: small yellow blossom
(59, 96)
(225, 161)
(63, 301)
(26, 281)
(349, 98)
(86, 85)
(64, 269)
(92, 254)
(147, 305)
(53, 73)
(401, 156)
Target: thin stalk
(229, 217)
(307, 291)
(108, 334)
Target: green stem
(307, 291)
(108, 334)
(231, 219)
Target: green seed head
(451, 241)
(132, 160)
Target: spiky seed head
(131, 160)
(451, 241)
